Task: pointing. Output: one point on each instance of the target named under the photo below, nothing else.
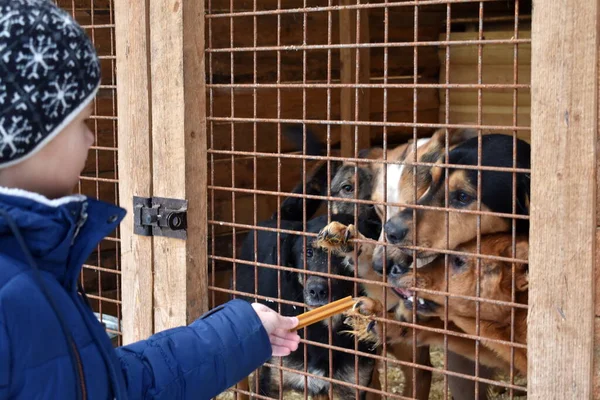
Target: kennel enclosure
(196, 95)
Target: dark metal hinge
(158, 216)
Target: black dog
(316, 183)
(349, 181)
(296, 251)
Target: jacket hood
(60, 233)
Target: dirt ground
(396, 383)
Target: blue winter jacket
(53, 347)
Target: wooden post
(564, 121)
(348, 76)
(179, 154)
(135, 177)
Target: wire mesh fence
(101, 273)
(326, 114)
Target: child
(51, 345)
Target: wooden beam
(564, 119)
(135, 177)
(179, 152)
(348, 64)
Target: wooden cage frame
(161, 91)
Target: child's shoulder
(10, 269)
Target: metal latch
(159, 216)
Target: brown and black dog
(428, 230)
(405, 184)
(496, 281)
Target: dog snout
(378, 264)
(395, 266)
(397, 271)
(395, 231)
(317, 290)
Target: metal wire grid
(224, 247)
(101, 275)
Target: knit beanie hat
(49, 72)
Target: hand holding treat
(278, 327)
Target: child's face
(55, 169)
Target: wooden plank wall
(354, 137)
(400, 70)
(179, 157)
(563, 199)
(497, 68)
(135, 125)
(596, 387)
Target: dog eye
(463, 198)
(309, 253)
(457, 262)
(348, 188)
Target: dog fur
(495, 283)
(496, 196)
(297, 251)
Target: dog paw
(361, 318)
(368, 307)
(336, 237)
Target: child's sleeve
(200, 360)
(5, 360)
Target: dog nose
(395, 232)
(317, 290)
(397, 271)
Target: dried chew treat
(324, 312)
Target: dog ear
(286, 259)
(521, 269)
(523, 190)
(374, 153)
(522, 278)
(455, 136)
(371, 154)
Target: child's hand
(278, 327)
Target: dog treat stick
(324, 312)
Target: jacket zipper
(80, 371)
(83, 216)
(82, 219)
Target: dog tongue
(403, 292)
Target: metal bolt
(150, 219)
(176, 221)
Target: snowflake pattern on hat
(49, 71)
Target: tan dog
(495, 283)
